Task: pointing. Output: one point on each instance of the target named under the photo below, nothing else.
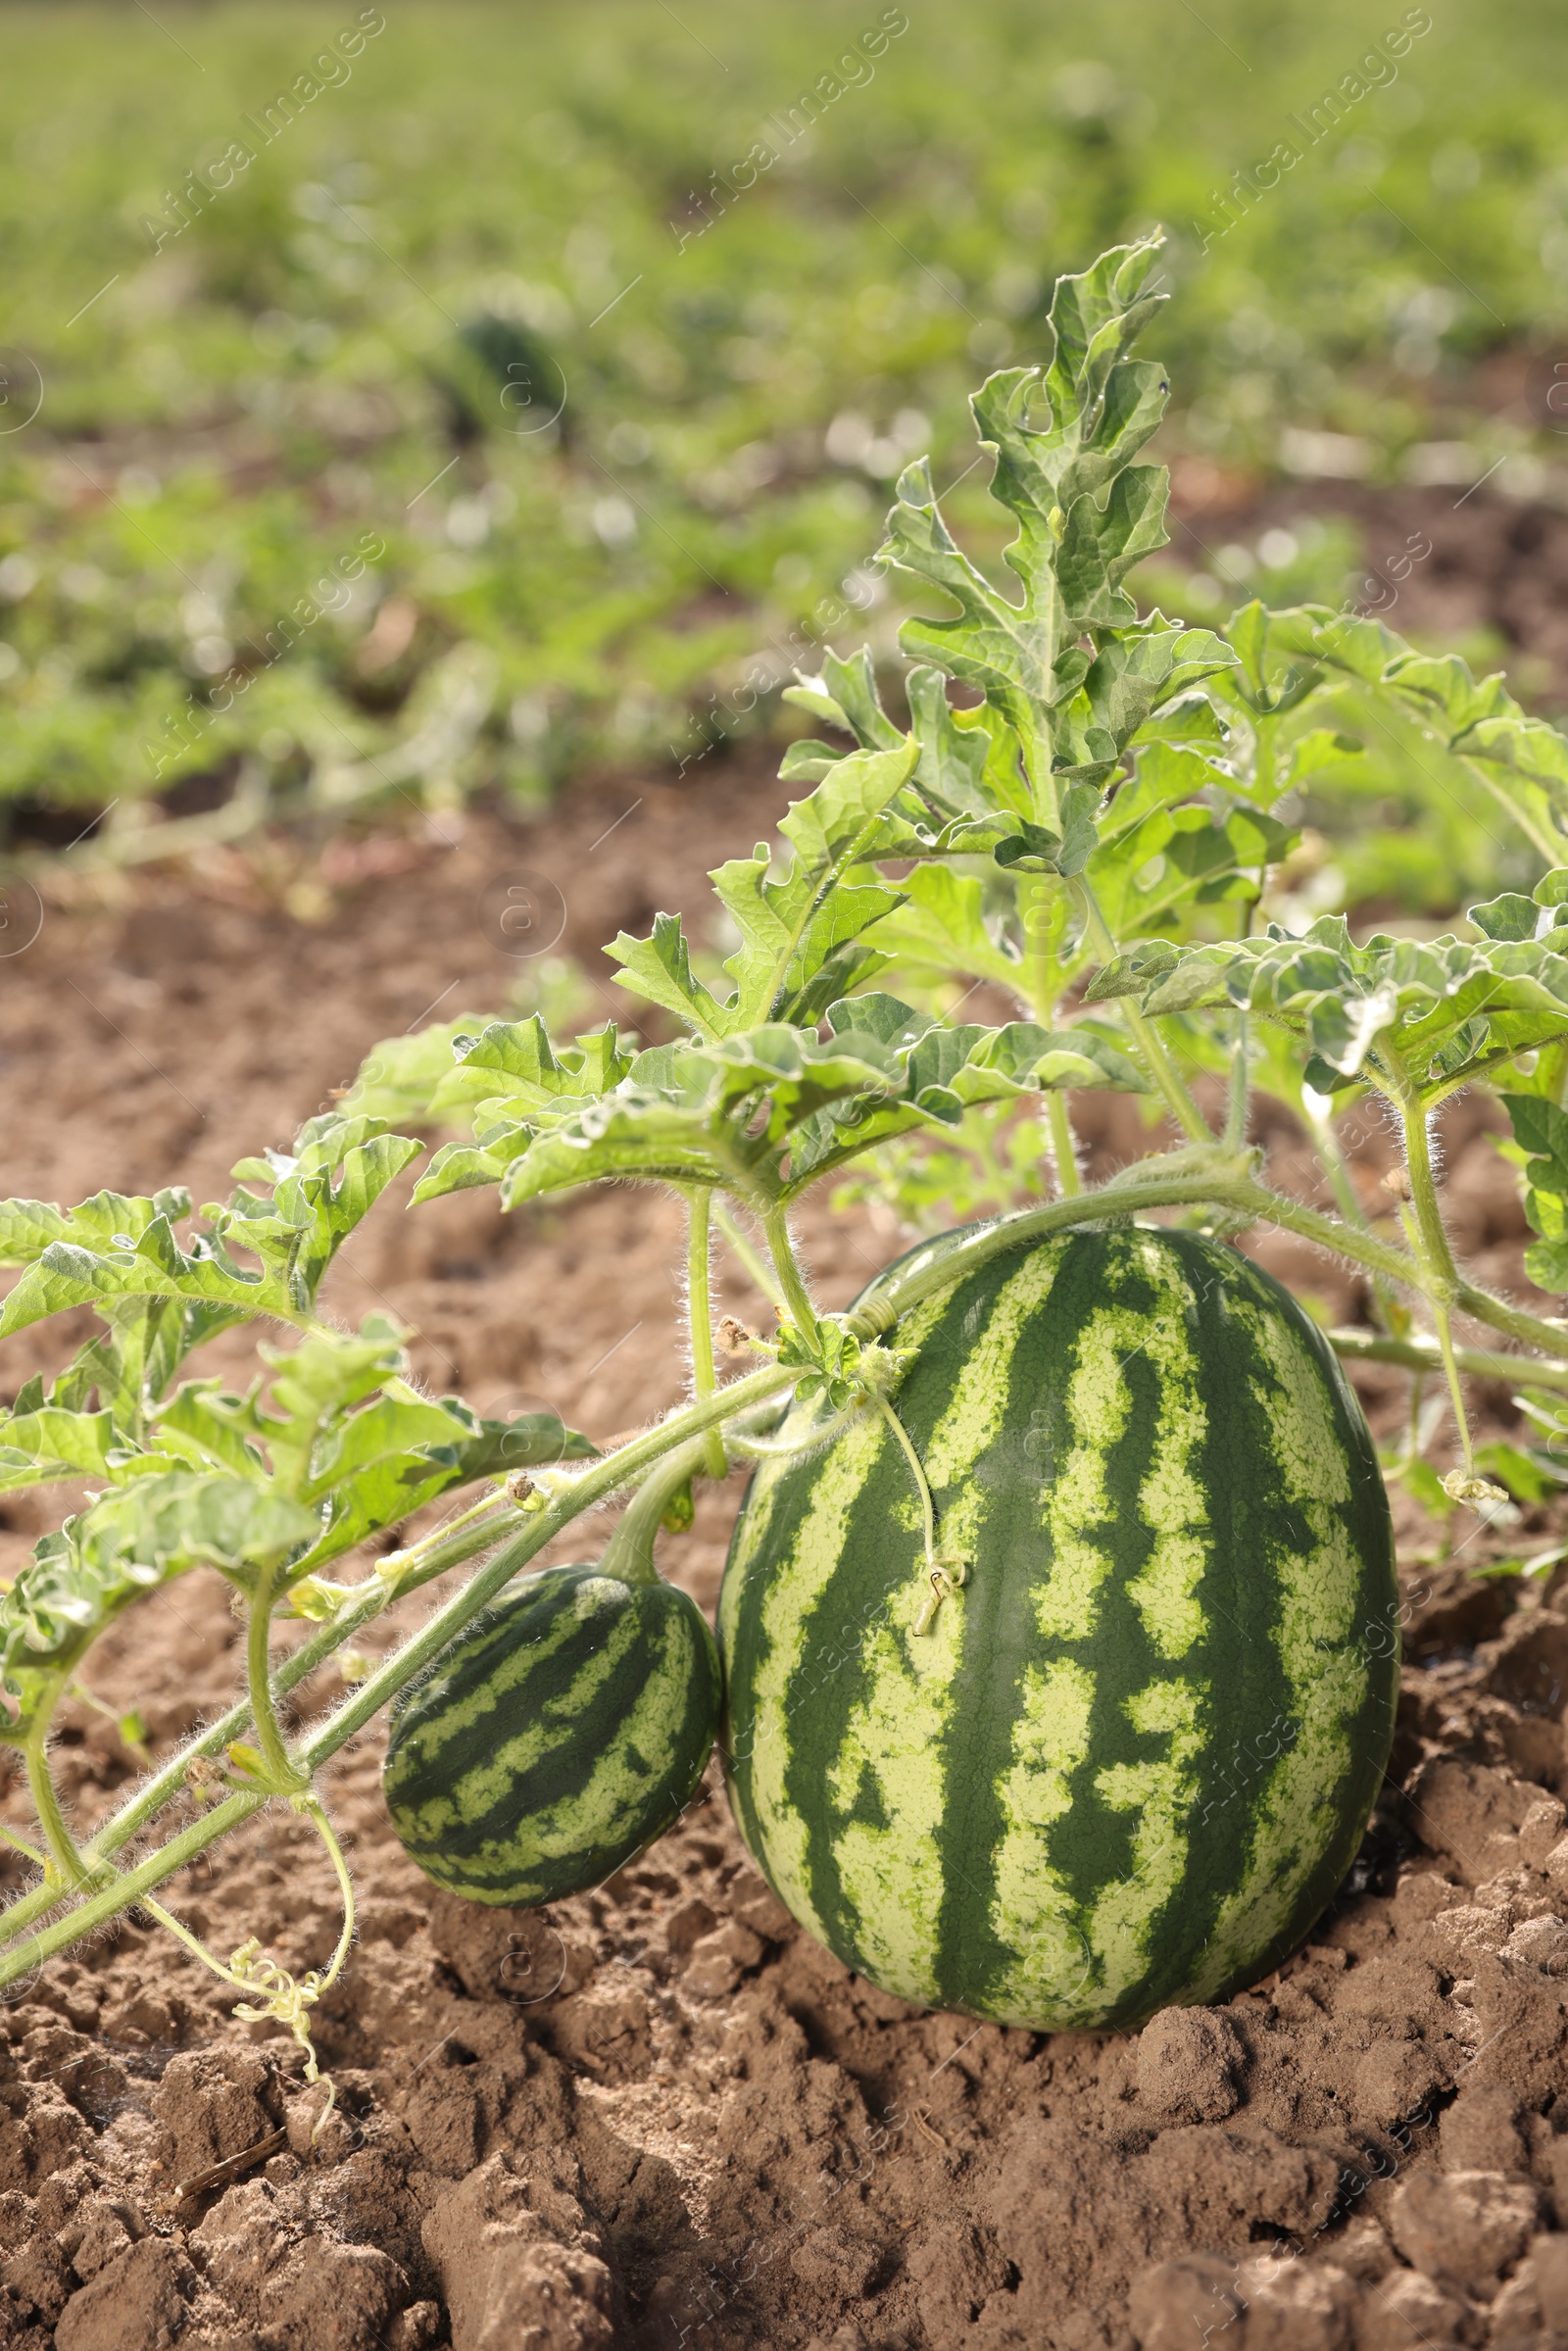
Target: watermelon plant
(1059, 1630)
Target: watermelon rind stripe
(556, 1739)
(1132, 1760)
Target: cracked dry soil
(660, 2114)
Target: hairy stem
(1157, 1061)
(1167, 1077)
(629, 1552)
(752, 1263)
(1336, 1168)
(1450, 1367)
(1064, 1147)
(122, 1892)
(1430, 1231)
(700, 1316)
(1238, 1099)
(66, 1861)
(192, 1942)
(20, 1845)
(1432, 1243)
(776, 1223)
(345, 1886)
(257, 1659)
(1551, 1336)
(1423, 1354)
(923, 1485)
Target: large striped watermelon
(1129, 1763)
(555, 1738)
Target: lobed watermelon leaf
(123, 1544)
(796, 932)
(763, 1113)
(338, 1169)
(1429, 1013)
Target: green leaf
(1439, 1009)
(1083, 1055)
(126, 1543)
(513, 1067)
(1084, 512)
(340, 1431)
(944, 924)
(1037, 849)
(1530, 1478)
(1139, 968)
(790, 928)
(852, 687)
(945, 1071)
(108, 1220)
(1133, 675)
(955, 752)
(1541, 1128)
(1005, 651)
(495, 1448)
(806, 761)
(846, 696)
(1101, 543)
(134, 1358)
(66, 1276)
(399, 1077)
(41, 1446)
(1471, 719)
(722, 1115)
(1507, 917)
(339, 1169)
(1547, 1264)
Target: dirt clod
(1408, 2311)
(1194, 2298)
(138, 2302)
(521, 2271)
(1464, 2228)
(1188, 2061)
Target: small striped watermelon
(1130, 1761)
(555, 1738)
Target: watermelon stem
(699, 1314)
(629, 1553)
(1064, 1147)
(775, 1224)
(752, 1261)
(1440, 1316)
(283, 1772)
(65, 1865)
(1430, 1240)
(1161, 1068)
(1237, 1106)
(945, 1574)
(764, 1448)
(1422, 1355)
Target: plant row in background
(1005, 1555)
(613, 398)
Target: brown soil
(660, 2114)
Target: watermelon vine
(1070, 805)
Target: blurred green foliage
(491, 296)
